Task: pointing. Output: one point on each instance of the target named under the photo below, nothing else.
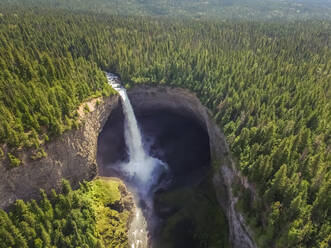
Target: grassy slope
(111, 224)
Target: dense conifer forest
(196, 9)
(42, 83)
(80, 218)
(267, 84)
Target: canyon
(73, 155)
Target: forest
(268, 86)
(80, 218)
(42, 85)
(196, 9)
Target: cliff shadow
(187, 211)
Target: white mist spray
(142, 170)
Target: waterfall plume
(142, 170)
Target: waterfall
(142, 170)
(132, 134)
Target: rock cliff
(71, 156)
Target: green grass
(112, 225)
(14, 161)
(106, 190)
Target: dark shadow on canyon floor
(188, 211)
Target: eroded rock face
(71, 156)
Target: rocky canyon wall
(73, 155)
